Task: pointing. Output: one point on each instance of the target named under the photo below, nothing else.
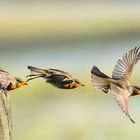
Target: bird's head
(20, 82)
(136, 90)
(77, 83)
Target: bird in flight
(57, 78)
(9, 82)
(119, 84)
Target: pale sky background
(72, 36)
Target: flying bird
(9, 82)
(57, 78)
(119, 84)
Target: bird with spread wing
(119, 84)
(9, 82)
(57, 78)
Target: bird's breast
(71, 86)
(11, 86)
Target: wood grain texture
(6, 125)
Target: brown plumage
(57, 78)
(119, 84)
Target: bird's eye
(77, 82)
(19, 81)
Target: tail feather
(97, 72)
(99, 79)
(37, 70)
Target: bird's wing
(121, 97)
(124, 67)
(50, 72)
(2, 70)
(37, 70)
(6, 79)
(58, 79)
(60, 72)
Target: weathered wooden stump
(6, 125)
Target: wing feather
(121, 97)
(60, 72)
(124, 67)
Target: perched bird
(58, 78)
(119, 84)
(9, 82)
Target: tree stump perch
(6, 125)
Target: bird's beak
(82, 85)
(25, 83)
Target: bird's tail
(99, 79)
(36, 73)
(37, 70)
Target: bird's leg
(30, 75)
(33, 76)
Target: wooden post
(6, 125)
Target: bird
(119, 84)
(9, 82)
(57, 78)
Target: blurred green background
(72, 36)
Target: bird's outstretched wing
(50, 72)
(2, 70)
(121, 97)
(124, 67)
(37, 70)
(60, 72)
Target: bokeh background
(72, 36)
